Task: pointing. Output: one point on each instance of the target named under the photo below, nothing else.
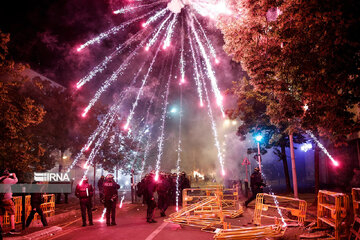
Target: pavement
(131, 224)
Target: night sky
(45, 34)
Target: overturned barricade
(278, 207)
(250, 232)
(229, 198)
(206, 214)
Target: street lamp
(258, 139)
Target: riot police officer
(149, 192)
(110, 198)
(84, 191)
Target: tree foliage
(300, 53)
(18, 150)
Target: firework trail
(208, 43)
(213, 125)
(162, 128)
(154, 38)
(112, 78)
(102, 66)
(210, 72)
(141, 90)
(336, 163)
(130, 9)
(169, 32)
(179, 150)
(112, 31)
(155, 17)
(196, 77)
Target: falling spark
(336, 163)
(182, 61)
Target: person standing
(163, 191)
(256, 184)
(6, 201)
(84, 191)
(35, 201)
(110, 198)
(101, 188)
(150, 189)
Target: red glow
(201, 104)
(126, 127)
(84, 114)
(217, 61)
(164, 47)
(335, 163)
(177, 209)
(156, 177)
(87, 148)
(147, 48)
(78, 86)
(144, 24)
(223, 173)
(79, 49)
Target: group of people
(160, 192)
(108, 190)
(7, 203)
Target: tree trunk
(286, 168)
(293, 166)
(316, 172)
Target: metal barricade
(48, 207)
(355, 193)
(18, 209)
(250, 233)
(279, 204)
(333, 210)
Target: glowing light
(306, 107)
(258, 138)
(102, 218)
(121, 201)
(227, 122)
(155, 17)
(217, 61)
(156, 177)
(223, 172)
(129, 9)
(306, 147)
(201, 104)
(334, 162)
(169, 32)
(173, 110)
(84, 114)
(233, 122)
(199, 175)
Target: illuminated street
(180, 119)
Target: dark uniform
(149, 190)
(110, 198)
(36, 200)
(184, 183)
(84, 191)
(163, 191)
(256, 184)
(101, 187)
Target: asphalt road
(131, 224)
